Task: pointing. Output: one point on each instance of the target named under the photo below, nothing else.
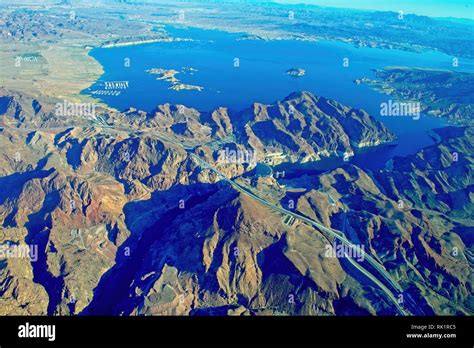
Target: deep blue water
(261, 77)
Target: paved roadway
(391, 294)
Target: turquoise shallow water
(261, 76)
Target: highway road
(332, 232)
(393, 295)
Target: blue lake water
(261, 77)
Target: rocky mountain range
(441, 93)
(128, 221)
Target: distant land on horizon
(439, 8)
(456, 9)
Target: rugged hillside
(240, 259)
(434, 89)
(416, 216)
(303, 127)
(127, 221)
(244, 260)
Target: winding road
(392, 295)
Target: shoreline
(66, 71)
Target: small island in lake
(169, 75)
